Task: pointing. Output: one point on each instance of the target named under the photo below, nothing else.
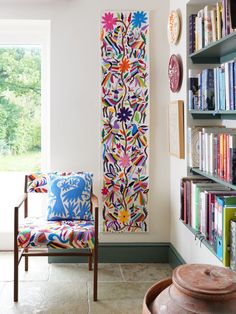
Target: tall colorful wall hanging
(125, 113)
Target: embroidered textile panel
(125, 125)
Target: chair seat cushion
(63, 234)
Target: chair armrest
(94, 201)
(21, 201)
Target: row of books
(208, 208)
(211, 24)
(213, 89)
(213, 150)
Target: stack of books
(209, 208)
(213, 89)
(213, 150)
(211, 24)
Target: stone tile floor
(67, 288)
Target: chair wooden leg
(16, 275)
(26, 261)
(91, 261)
(95, 278)
(16, 256)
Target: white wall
(75, 103)
(183, 240)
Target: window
(24, 112)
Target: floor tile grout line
(122, 274)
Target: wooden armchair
(72, 221)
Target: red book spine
(224, 156)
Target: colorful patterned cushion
(69, 197)
(37, 181)
(57, 234)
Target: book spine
(224, 156)
(215, 154)
(221, 152)
(231, 85)
(233, 245)
(234, 70)
(207, 26)
(210, 98)
(211, 153)
(223, 18)
(192, 31)
(216, 89)
(182, 199)
(222, 87)
(219, 246)
(213, 24)
(211, 206)
(193, 89)
(227, 178)
(227, 93)
(219, 19)
(232, 152)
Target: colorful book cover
(207, 24)
(222, 222)
(229, 212)
(211, 210)
(233, 245)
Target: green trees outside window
(20, 108)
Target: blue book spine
(222, 87)
(231, 85)
(234, 84)
(204, 78)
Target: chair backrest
(37, 182)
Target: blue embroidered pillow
(69, 197)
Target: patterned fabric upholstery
(64, 234)
(37, 182)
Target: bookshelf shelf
(201, 238)
(214, 178)
(207, 114)
(217, 52)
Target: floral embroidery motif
(125, 104)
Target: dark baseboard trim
(175, 259)
(162, 252)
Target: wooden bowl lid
(203, 280)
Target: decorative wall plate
(175, 73)
(174, 27)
